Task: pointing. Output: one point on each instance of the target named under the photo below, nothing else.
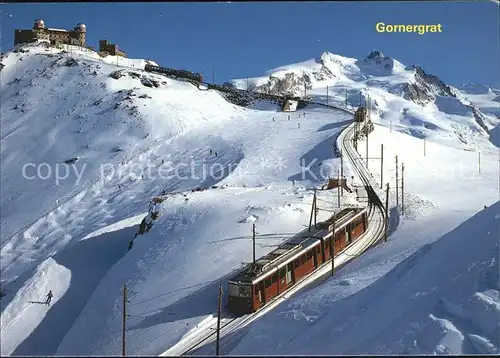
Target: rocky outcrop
(425, 88)
(246, 98)
(375, 55)
(146, 80)
(71, 62)
(376, 64)
(479, 117)
(294, 84)
(118, 74)
(290, 84)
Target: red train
(258, 283)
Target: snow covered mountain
(115, 147)
(405, 97)
(483, 97)
(131, 141)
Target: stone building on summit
(108, 48)
(76, 37)
(39, 32)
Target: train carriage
(175, 73)
(258, 283)
(360, 114)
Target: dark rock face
(293, 84)
(323, 74)
(21, 50)
(375, 55)
(71, 62)
(479, 117)
(426, 88)
(442, 88)
(118, 74)
(288, 85)
(134, 74)
(148, 82)
(72, 160)
(228, 84)
(145, 80)
(246, 98)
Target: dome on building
(39, 24)
(81, 27)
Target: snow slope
(115, 133)
(174, 271)
(137, 134)
(115, 120)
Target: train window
(256, 289)
(282, 272)
(275, 278)
(309, 255)
(297, 263)
(244, 291)
(303, 259)
(233, 289)
(268, 282)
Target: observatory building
(39, 32)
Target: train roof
(294, 245)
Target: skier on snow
(49, 298)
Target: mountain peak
(375, 55)
(328, 57)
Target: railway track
(207, 333)
(377, 213)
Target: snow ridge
(392, 87)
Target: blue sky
(247, 39)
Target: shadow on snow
(89, 261)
